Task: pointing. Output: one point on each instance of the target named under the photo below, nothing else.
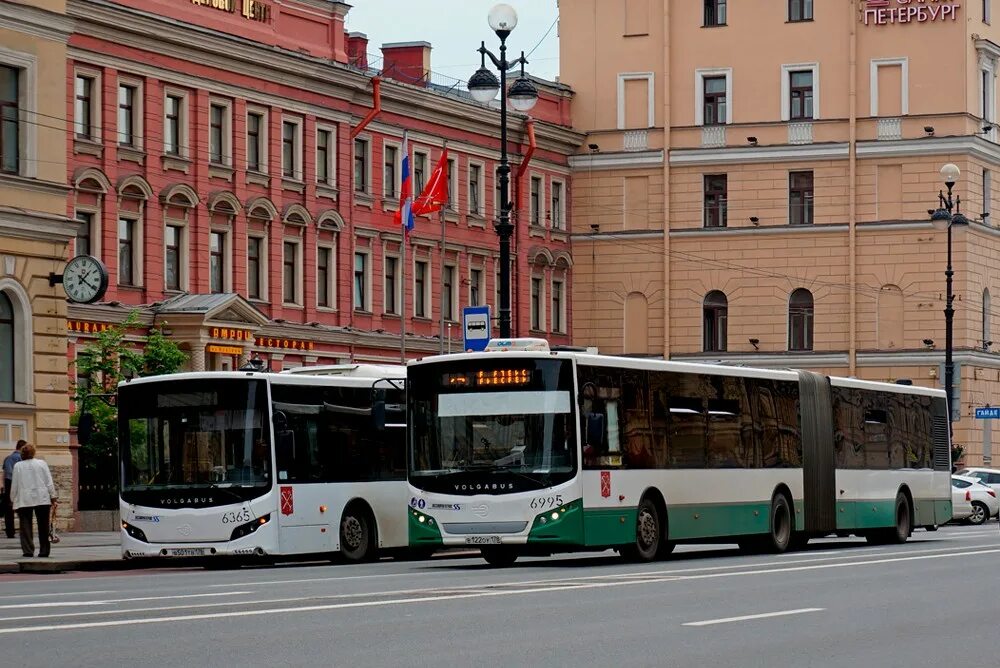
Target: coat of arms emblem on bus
(287, 505)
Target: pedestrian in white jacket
(33, 492)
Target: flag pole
(403, 243)
(443, 233)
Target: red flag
(435, 193)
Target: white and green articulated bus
(262, 465)
(521, 450)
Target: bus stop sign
(477, 326)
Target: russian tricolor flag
(404, 216)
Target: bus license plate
(482, 540)
(187, 552)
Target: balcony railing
(636, 140)
(888, 129)
(713, 136)
(800, 133)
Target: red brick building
(236, 166)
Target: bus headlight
(251, 526)
(134, 532)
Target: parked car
(972, 500)
(986, 476)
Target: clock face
(85, 279)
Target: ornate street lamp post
(483, 86)
(944, 219)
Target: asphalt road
(933, 601)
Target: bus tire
(357, 534)
(648, 539)
(899, 533)
(980, 513)
(779, 536)
(499, 557)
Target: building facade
(237, 165)
(760, 174)
(34, 233)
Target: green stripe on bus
(710, 521)
(609, 526)
(422, 533)
(559, 526)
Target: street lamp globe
(941, 219)
(950, 173)
(522, 94)
(503, 19)
(483, 85)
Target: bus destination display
(489, 378)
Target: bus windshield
(493, 415)
(195, 434)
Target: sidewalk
(83, 551)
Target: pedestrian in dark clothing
(6, 504)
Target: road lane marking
(110, 601)
(61, 593)
(473, 594)
(745, 618)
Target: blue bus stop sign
(477, 326)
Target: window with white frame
(326, 270)
(452, 184)
(291, 148)
(535, 199)
(987, 94)
(558, 205)
(84, 233)
(419, 172)
(987, 193)
(475, 189)
(86, 109)
(8, 358)
(18, 137)
(800, 10)
(390, 291)
(129, 113)
(326, 149)
(217, 261)
(476, 287)
(128, 248)
(257, 140)
(10, 124)
(558, 307)
(390, 170)
(256, 267)
(421, 288)
(173, 256)
(987, 11)
(537, 303)
(175, 124)
(290, 263)
(448, 306)
(362, 280)
(362, 163)
(220, 124)
(800, 89)
(713, 96)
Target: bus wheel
(499, 557)
(904, 522)
(780, 536)
(357, 542)
(647, 534)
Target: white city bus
(249, 464)
(522, 450)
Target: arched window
(6, 348)
(800, 320)
(715, 313)
(987, 338)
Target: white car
(972, 501)
(986, 476)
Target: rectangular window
(536, 201)
(716, 199)
(986, 11)
(419, 173)
(391, 285)
(558, 215)
(557, 306)
(420, 289)
(361, 165)
(360, 281)
(217, 261)
(216, 131)
(9, 122)
(800, 198)
(86, 221)
(255, 142)
(323, 277)
(987, 95)
(475, 189)
(448, 293)
(126, 115)
(800, 95)
(800, 10)
(126, 251)
(84, 119)
(987, 193)
(452, 180)
(172, 270)
(536, 303)
(715, 12)
(289, 262)
(715, 100)
(323, 165)
(289, 149)
(254, 264)
(389, 172)
(172, 125)
(475, 287)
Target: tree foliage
(104, 363)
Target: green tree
(100, 366)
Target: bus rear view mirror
(595, 430)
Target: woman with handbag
(33, 493)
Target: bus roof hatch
(520, 345)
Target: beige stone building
(758, 180)
(34, 232)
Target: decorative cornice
(36, 185)
(35, 21)
(904, 148)
(766, 230)
(786, 361)
(618, 160)
(36, 225)
(745, 154)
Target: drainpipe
(376, 107)
(852, 186)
